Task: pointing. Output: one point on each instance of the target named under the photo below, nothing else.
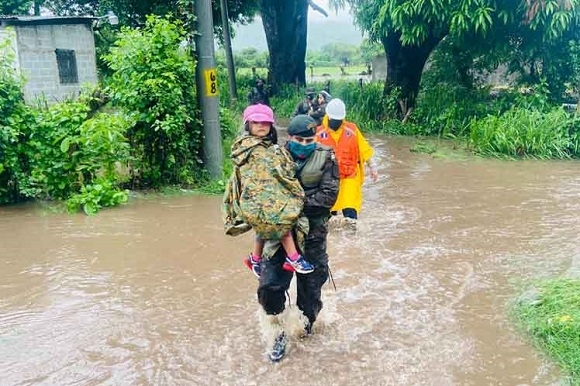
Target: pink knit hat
(258, 113)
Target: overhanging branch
(317, 8)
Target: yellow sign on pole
(211, 88)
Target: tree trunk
(285, 25)
(404, 69)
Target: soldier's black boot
(279, 348)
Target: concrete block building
(56, 55)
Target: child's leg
(288, 243)
(257, 249)
(294, 259)
(253, 261)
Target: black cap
(302, 125)
(310, 91)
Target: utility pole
(207, 88)
(228, 48)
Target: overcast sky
(341, 15)
(252, 36)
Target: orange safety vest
(346, 150)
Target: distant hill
(320, 33)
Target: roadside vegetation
(549, 314)
(128, 134)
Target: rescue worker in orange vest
(352, 152)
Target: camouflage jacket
(319, 177)
(262, 193)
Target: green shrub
(364, 103)
(92, 197)
(67, 150)
(447, 110)
(153, 81)
(16, 119)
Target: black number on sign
(213, 87)
(212, 76)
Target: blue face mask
(300, 151)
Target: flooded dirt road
(153, 293)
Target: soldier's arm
(324, 197)
(318, 113)
(297, 110)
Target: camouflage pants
(275, 281)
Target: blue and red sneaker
(300, 265)
(253, 265)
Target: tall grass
(525, 133)
(447, 111)
(550, 316)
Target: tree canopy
(15, 7)
(411, 29)
(130, 12)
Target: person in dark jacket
(307, 104)
(319, 110)
(317, 171)
(258, 94)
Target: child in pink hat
(263, 191)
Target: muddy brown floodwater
(153, 293)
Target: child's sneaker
(300, 265)
(287, 267)
(253, 265)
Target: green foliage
(370, 50)
(250, 57)
(549, 314)
(92, 197)
(153, 81)
(451, 63)
(16, 119)
(507, 124)
(498, 32)
(368, 102)
(368, 106)
(575, 61)
(134, 12)
(285, 101)
(415, 20)
(447, 110)
(15, 7)
(365, 105)
(230, 122)
(61, 152)
(68, 150)
(523, 132)
(423, 147)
